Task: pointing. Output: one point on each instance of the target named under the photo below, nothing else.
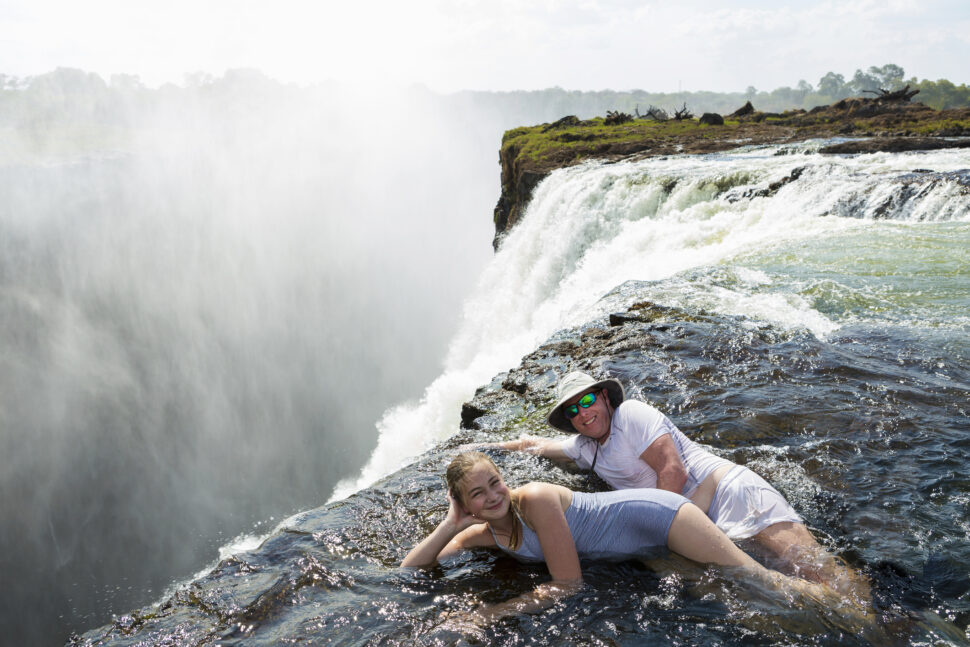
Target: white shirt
(634, 427)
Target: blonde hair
(455, 474)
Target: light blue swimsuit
(617, 524)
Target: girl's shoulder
(542, 495)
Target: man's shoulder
(636, 408)
(638, 424)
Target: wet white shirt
(634, 427)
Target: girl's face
(484, 494)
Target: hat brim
(558, 419)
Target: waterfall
(702, 230)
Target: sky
(451, 45)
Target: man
(630, 444)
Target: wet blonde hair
(455, 474)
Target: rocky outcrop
(894, 145)
(743, 111)
(518, 180)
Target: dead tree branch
(683, 113)
(904, 94)
(657, 114)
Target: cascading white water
(686, 223)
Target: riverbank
(529, 154)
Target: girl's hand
(457, 516)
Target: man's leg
(798, 553)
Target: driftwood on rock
(904, 94)
(657, 114)
(683, 113)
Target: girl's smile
(485, 495)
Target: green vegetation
(552, 144)
(538, 142)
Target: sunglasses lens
(585, 402)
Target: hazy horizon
(478, 46)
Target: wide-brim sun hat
(572, 385)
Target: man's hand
(524, 443)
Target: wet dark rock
(953, 131)
(512, 204)
(888, 144)
(469, 413)
(909, 190)
(620, 318)
(511, 384)
(743, 111)
(773, 188)
(560, 348)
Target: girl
(550, 523)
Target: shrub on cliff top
(614, 117)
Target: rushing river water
(806, 315)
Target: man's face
(594, 420)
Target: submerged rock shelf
(819, 419)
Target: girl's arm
(458, 531)
(542, 507)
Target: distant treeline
(831, 88)
(70, 96)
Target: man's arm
(662, 456)
(545, 447)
